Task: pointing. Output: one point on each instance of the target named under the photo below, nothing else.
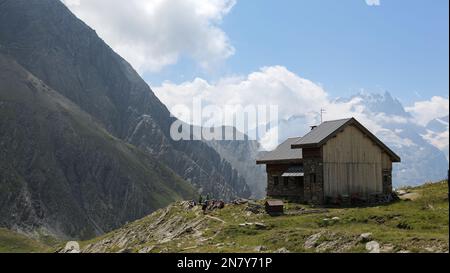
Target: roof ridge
(334, 120)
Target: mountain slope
(62, 173)
(50, 42)
(417, 223)
(242, 155)
(13, 242)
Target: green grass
(13, 242)
(406, 225)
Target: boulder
(388, 248)
(282, 250)
(72, 247)
(260, 248)
(146, 249)
(365, 237)
(260, 226)
(312, 240)
(240, 201)
(373, 247)
(401, 192)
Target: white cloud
(373, 2)
(273, 85)
(438, 139)
(299, 102)
(152, 34)
(426, 111)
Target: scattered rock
(240, 201)
(401, 192)
(388, 248)
(329, 245)
(191, 247)
(254, 208)
(125, 250)
(146, 249)
(216, 218)
(260, 248)
(164, 250)
(188, 205)
(71, 247)
(260, 226)
(312, 240)
(373, 247)
(365, 237)
(257, 225)
(410, 196)
(404, 251)
(430, 249)
(211, 205)
(282, 250)
(328, 222)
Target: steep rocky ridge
(62, 173)
(50, 42)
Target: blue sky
(399, 46)
(299, 55)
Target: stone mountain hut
(336, 162)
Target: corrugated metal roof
(283, 152)
(324, 131)
(293, 174)
(294, 171)
(321, 132)
(291, 149)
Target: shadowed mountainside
(109, 106)
(62, 172)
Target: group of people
(210, 204)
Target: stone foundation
(314, 191)
(387, 181)
(292, 189)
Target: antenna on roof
(322, 111)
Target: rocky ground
(416, 223)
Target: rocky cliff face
(47, 41)
(62, 173)
(242, 156)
